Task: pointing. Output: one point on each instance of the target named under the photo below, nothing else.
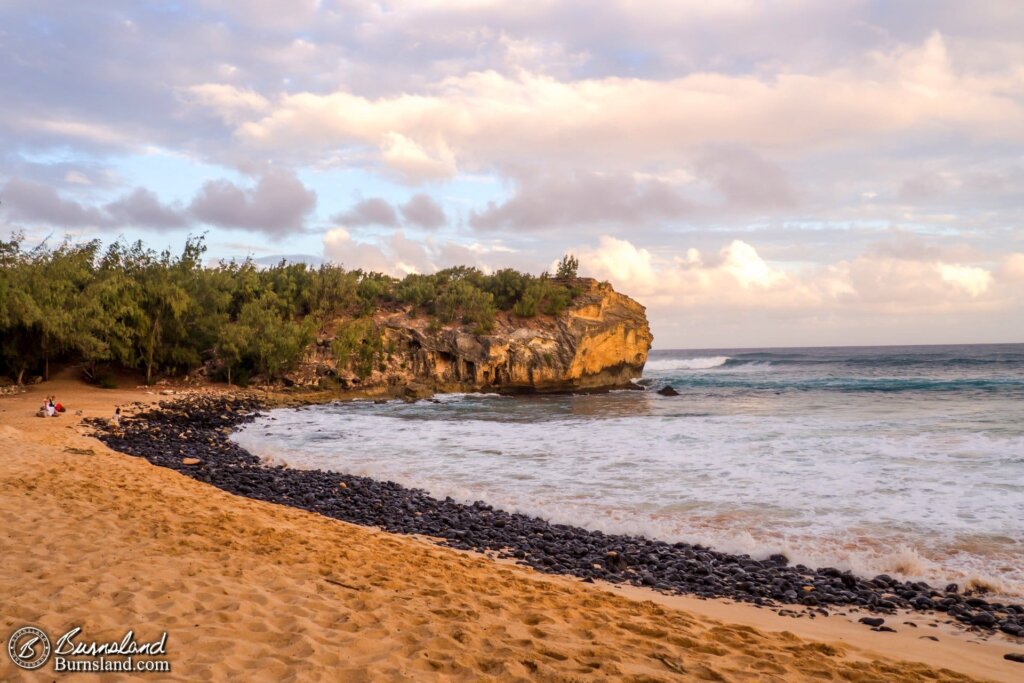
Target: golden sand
(254, 591)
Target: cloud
(486, 119)
(422, 211)
(142, 208)
(970, 279)
(746, 180)
(266, 15)
(233, 104)
(372, 211)
(555, 200)
(397, 255)
(24, 200)
(1012, 268)
(77, 178)
(417, 161)
(738, 278)
(277, 205)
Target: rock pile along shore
(191, 435)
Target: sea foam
(687, 363)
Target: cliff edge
(599, 342)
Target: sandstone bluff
(599, 342)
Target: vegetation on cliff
(129, 306)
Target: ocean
(902, 460)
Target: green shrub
(462, 298)
(358, 346)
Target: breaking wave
(687, 363)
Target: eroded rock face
(600, 342)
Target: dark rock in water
(415, 390)
(195, 429)
(1014, 657)
(884, 629)
(952, 588)
(667, 390)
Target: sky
(784, 173)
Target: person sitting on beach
(57, 405)
(116, 420)
(51, 409)
(43, 410)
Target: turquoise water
(905, 460)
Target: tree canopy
(162, 313)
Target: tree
(59, 277)
(233, 344)
(567, 267)
(508, 286)
(19, 312)
(108, 327)
(276, 343)
(332, 293)
(164, 303)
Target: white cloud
(971, 279)
(232, 104)
(414, 160)
(750, 270)
(737, 277)
(485, 119)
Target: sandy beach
(255, 591)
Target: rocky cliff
(600, 342)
